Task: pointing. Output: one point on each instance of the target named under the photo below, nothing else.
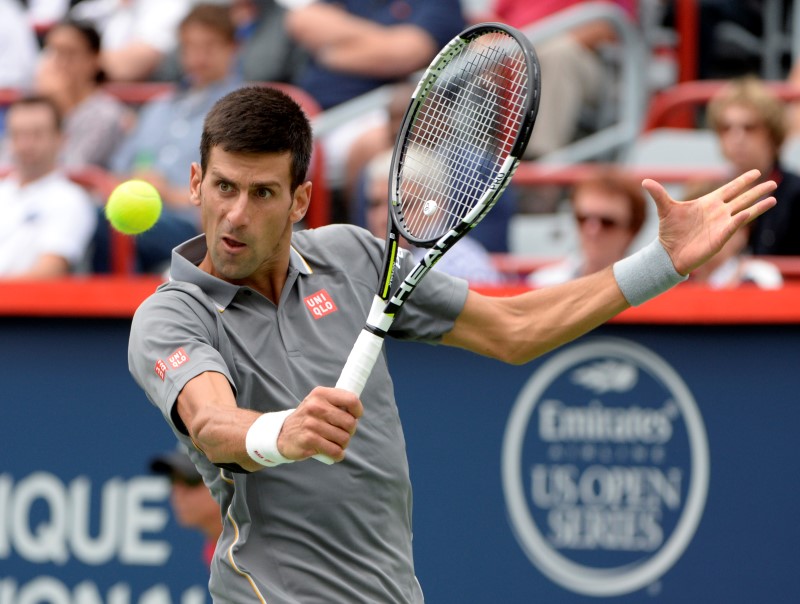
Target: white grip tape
(357, 369)
(261, 440)
(360, 362)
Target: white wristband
(262, 439)
(646, 274)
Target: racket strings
(463, 131)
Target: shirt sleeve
(172, 340)
(431, 309)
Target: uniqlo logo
(177, 358)
(320, 304)
(161, 369)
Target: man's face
(206, 56)
(34, 139)
(71, 54)
(247, 211)
(192, 503)
(604, 225)
(745, 140)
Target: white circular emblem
(594, 467)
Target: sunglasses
(605, 222)
(189, 482)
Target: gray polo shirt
(303, 532)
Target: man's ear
(195, 180)
(300, 200)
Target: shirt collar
(184, 267)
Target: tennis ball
(133, 207)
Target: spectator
(191, 501)
(356, 46)
(47, 220)
(609, 211)
(573, 72)
(18, 46)
(468, 259)
(137, 34)
(732, 267)
(751, 124)
(267, 53)
(166, 138)
(69, 72)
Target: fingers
(657, 192)
(324, 422)
(751, 196)
(738, 185)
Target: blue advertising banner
(639, 463)
(82, 519)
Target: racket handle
(357, 370)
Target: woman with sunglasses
(609, 211)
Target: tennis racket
(462, 137)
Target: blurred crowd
(94, 92)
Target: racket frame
(385, 304)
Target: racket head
(469, 120)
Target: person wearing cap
(191, 501)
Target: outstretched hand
(693, 231)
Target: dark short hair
(259, 119)
(32, 100)
(90, 35)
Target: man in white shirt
(47, 220)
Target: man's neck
(26, 177)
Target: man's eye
(263, 193)
(225, 187)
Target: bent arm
(323, 422)
(520, 328)
(351, 44)
(218, 427)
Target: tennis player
(240, 349)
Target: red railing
(668, 107)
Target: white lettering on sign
(49, 590)
(44, 520)
(605, 451)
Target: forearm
(134, 62)
(389, 53)
(317, 26)
(48, 266)
(350, 44)
(521, 328)
(221, 436)
(218, 427)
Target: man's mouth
(232, 244)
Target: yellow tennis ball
(133, 207)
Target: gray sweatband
(646, 274)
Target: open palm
(693, 231)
